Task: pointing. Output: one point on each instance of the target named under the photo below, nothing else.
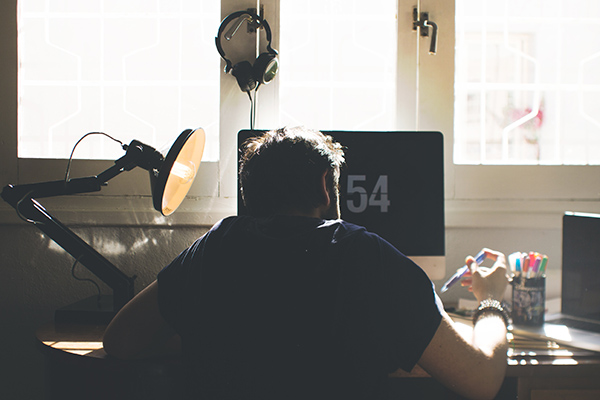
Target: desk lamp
(171, 176)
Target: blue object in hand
(462, 271)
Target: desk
(554, 372)
(78, 367)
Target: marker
(511, 261)
(462, 271)
(531, 259)
(542, 269)
(525, 265)
(518, 266)
(537, 263)
(514, 261)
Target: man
(290, 302)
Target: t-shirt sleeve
(412, 309)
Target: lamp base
(93, 310)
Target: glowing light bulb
(185, 172)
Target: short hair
(280, 170)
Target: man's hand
(484, 282)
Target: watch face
(271, 70)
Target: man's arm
(473, 366)
(139, 330)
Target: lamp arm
(26, 206)
(12, 194)
(23, 199)
(138, 155)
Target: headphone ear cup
(243, 72)
(265, 68)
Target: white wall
(35, 276)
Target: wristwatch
(491, 306)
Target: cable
(27, 195)
(86, 280)
(253, 107)
(251, 111)
(68, 171)
(24, 218)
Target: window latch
(423, 23)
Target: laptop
(578, 323)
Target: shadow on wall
(36, 280)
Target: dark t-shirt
(294, 307)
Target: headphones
(250, 76)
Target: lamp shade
(175, 176)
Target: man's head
(283, 171)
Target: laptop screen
(581, 265)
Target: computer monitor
(393, 185)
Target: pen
(462, 271)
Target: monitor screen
(393, 185)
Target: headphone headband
(261, 22)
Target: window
(527, 88)
(141, 70)
(377, 75)
(338, 64)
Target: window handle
(423, 23)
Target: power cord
(68, 171)
(253, 107)
(86, 280)
(67, 174)
(18, 208)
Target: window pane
(141, 70)
(338, 64)
(527, 89)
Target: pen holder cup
(528, 300)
